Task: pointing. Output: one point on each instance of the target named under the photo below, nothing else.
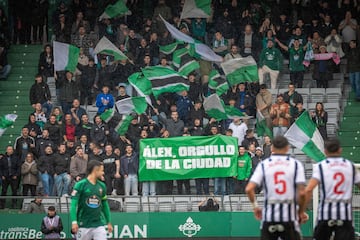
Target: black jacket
(61, 163)
(68, 89)
(46, 164)
(88, 75)
(14, 170)
(297, 98)
(39, 93)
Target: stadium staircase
(349, 132)
(14, 91)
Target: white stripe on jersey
(336, 178)
(279, 176)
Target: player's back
(336, 177)
(280, 175)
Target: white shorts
(98, 233)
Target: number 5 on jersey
(280, 183)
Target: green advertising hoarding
(187, 158)
(150, 225)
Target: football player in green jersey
(90, 210)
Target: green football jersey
(296, 58)
(90, 198)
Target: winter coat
(29, 173)
(39, 93)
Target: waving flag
(116, 121)
(65, 56)
(114, 10)
(239, 70)
(6, 121)
(105, 46)
(196, 9)
(216, 108)
(203, 50)
(131, 104)
(217, 83)
(183, 62)
(165, 80)
(304, 135)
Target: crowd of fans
(58, 140)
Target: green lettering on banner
(187, 158)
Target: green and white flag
(239, 70)
(6, 121)
(196, 9)
(216, 108)
(170, 48)
(65, 56)
(131, 104)
(261, 127)
(114, 10)
(304, 135)
(184, 62)
(116, 121)
(217, 83)
(204, 51)
(140, 83)
(165, 80)
(105, 46)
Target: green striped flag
(65, 56)
(165, 80)
(239, 70)
(196, 9)
(217, 83)
(261, 127)
(105, 46)
(170, 48)
(116, 121)
(216, 108)
(140, 83)
(304, 135)
(131, 104)
(114, 10)
(6, 121)
(184, 62)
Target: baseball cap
(258, 148)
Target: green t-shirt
(296, 58)
(272, 58)
(90, 199)
(244, 167)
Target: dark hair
(39, 76)
(263, 86)
(280, 142)
(210, 202)
(249, 131)
(332, 145)
(93, 164)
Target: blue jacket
(99, 102)
(183, 105)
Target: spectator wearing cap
(62, 29)
(296, 58)
(36, 206)
(292, 97)
(280, 114)
(220, 44)
(255, 160)
(249, 139)
(271, 62)
(51, 225)
(104, 100)
(353, 57)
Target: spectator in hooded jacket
(104, 100)
(40, 93)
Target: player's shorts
(342, 230)
(98, 233)
(279, 230)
